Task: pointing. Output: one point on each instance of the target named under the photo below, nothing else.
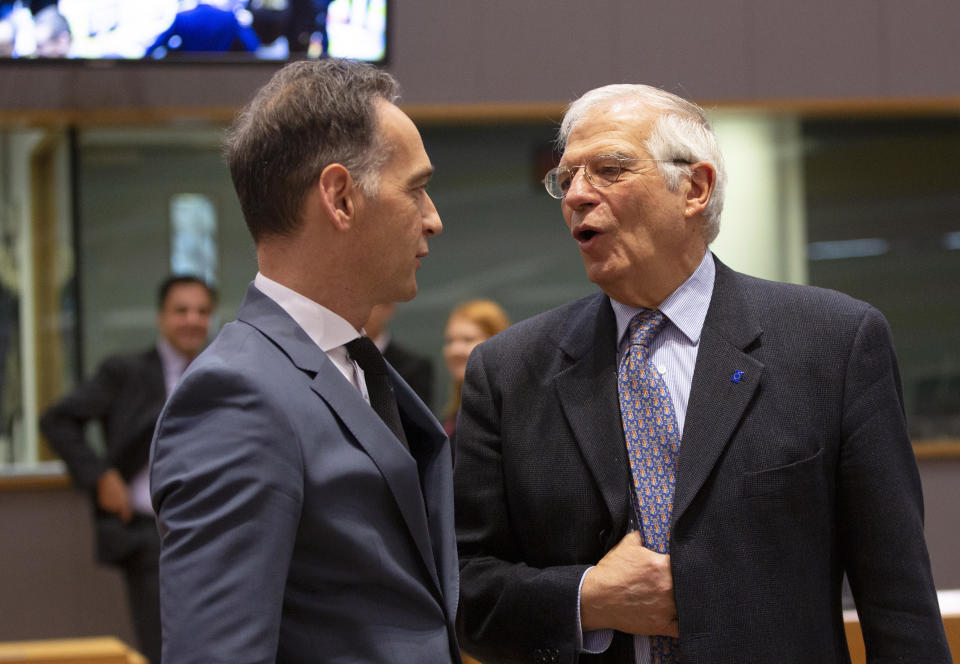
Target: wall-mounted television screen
(193, 29)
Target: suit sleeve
(881, 509)
(226, 482)
(64, 423)
(510, 611)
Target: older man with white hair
(683, 466)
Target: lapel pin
(737, 376)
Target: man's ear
(702, 180)
(338, 195)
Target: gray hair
(309, 115)
(681, 132)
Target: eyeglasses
(600, 171)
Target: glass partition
(883, 220)
(152, 202)
(37, 333)
(868, 206)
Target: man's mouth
(583, 234)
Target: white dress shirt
(328, 330)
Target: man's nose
(431, 220)
(580, 189)
(196, 317)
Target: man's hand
(112, 495)
(630, 590)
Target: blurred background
(840, 123)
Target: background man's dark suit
(416, 370)
(125, 395)
(799, 471)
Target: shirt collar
(170, 357)
(327, 329)
(686, 307)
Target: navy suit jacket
(788, 477)
(295, 526)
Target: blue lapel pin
(737, 376)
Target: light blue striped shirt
(674, 353)
(674, 350)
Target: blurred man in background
(125, 397)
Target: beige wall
(941, 495)
(50, 586)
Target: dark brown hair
(309, 115)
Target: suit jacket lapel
(718, 399)
(132, 451)
(398, 468)
(155, 388)
(155, 382)
(587, 390)
(432, 451)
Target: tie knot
(644, 327)
(365, 353)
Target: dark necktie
(650, 427)
(365, 353)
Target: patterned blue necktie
(650, 427)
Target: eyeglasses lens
(600, 172)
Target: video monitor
(204, 30)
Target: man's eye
(564, 178)
(607, 169)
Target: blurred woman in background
(469, 324)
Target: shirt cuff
(596, 641)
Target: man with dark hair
(304, 493)
(682, 467)
(125, 396)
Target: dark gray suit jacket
(296, 527)
(125, 395)
(798, 472)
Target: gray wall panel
(817, 49)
